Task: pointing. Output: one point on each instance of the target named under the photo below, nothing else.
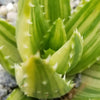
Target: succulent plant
(50, 46)
(88, 90)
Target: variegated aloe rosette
(50, 46)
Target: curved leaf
(57, 35)
(68, 55)
(8, 50)
(32, 29)
(18, 95)
(37, 79)
(54, 9)
(89, 88)
(87, 20)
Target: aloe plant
(19, 96)
(88, 90)
(49, 46)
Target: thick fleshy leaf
(90, 86)
(57, 35)
(18, 95)
(54, 9)
(89, 56)
(8, 49)
(31, 28)
(37, 79)
(87, 20)
(83, 18)
(47, 53)
(79, 6)
(68, 55)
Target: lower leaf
(37, 79)
(90, 86)
(18, 95)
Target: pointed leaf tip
(69, 54)
(40, 81)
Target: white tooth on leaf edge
(64, 20)
(72, 45)
(64, 77)
(55, 66)
(1, 47)
(17, 66)
(69, 64)
(71, 55)
(29, 21)
(81, 5)
(25, 46)
(28, 34)
(68, 83)
(25, 76)
(48, 59)
(44, 82)
(76, 31)
(25, 85)
(37, 54)
(26, 93)
(49, 30)
(87, 0)
(60, 75)
(12, 67)
(7, 57)
(31, 5)
(41, 6)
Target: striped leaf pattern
(37, 79)
(18, 95)
(87, 20)
(8, 49)
(31, 28)
(54, 9)
(50, 51)
(68, 55)
(89, 88)
(57, 34)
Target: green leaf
(47, 53)
(37, 79)
(57, 35)
(8, 50)
(81, 4)
(18, 95)
(83, 18)
(90, 85)
(91, 54)
(68, 55)
(87, 20)
(32, 29)
(54, 9)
